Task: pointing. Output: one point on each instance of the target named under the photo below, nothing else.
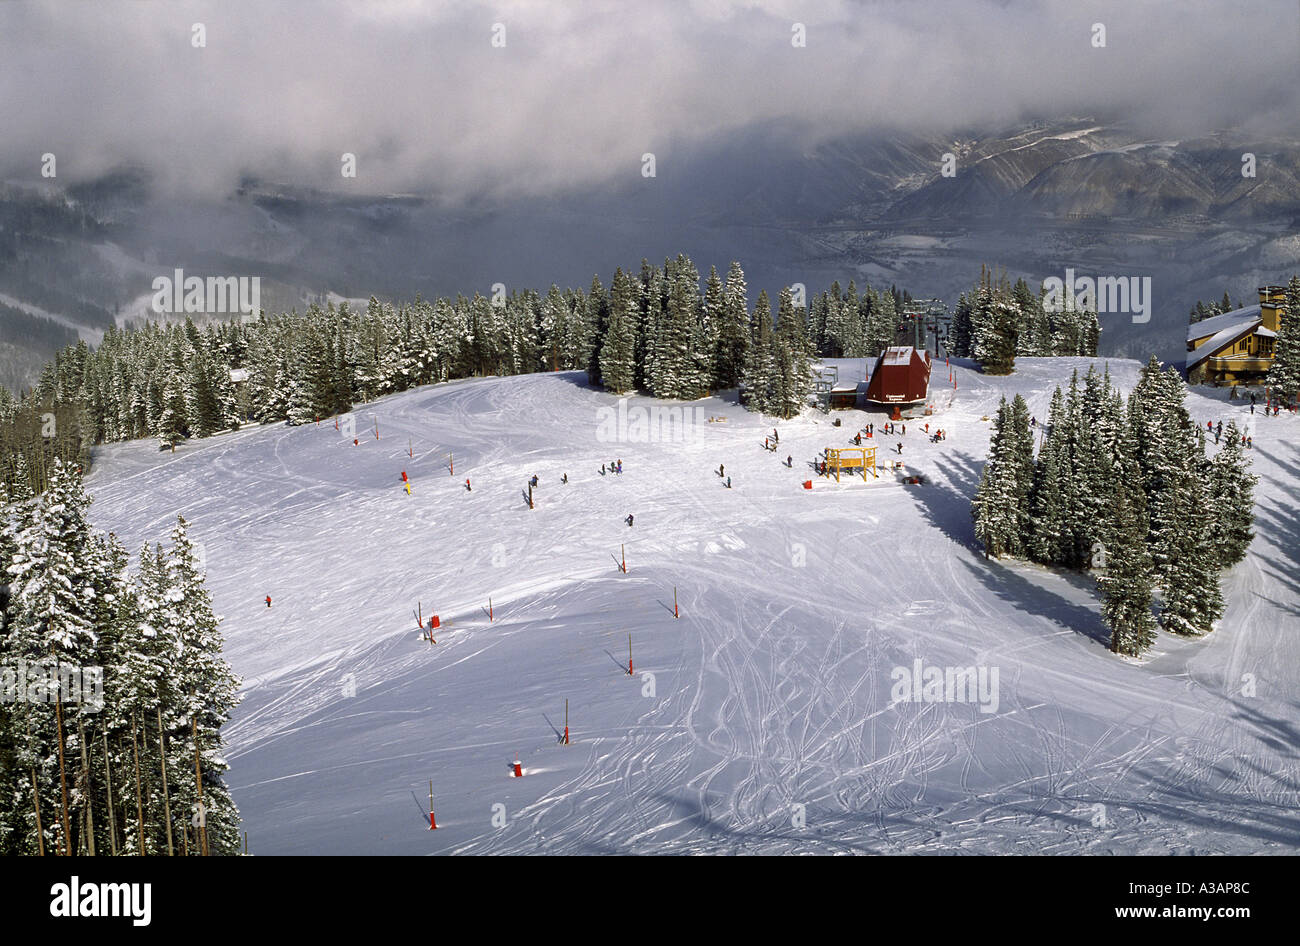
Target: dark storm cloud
(582, 89)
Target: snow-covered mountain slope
(767, 725)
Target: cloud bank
(580, 90)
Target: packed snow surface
(762, 719)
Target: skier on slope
(468, 488)
(268, 601)
(728, 482)
(628, 520)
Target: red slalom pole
(489, 609)
(630, 671)
(675, 612)
(566, 722)
(433, 825)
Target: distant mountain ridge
(1080, 192)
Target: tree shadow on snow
(1024, 595)
(947, 506)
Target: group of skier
(1247, 439)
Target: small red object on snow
(519, 769)
(807, 484)
(403, 476)
(434, 622)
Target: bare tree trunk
(108, 781)
(63, 778)
(36, 797)
(85, 778)
(139, 805)
(167, 805)
(198, 782)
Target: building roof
(1216, 324)
(1229, 334)
(898, 355)
(851, 372)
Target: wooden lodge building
(1236, 347)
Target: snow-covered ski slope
(767, 725)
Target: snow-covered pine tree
(140, 679)
(1232, 499)
(733, 330)
(578, 331)
(597, 321)
(792, 371)
(1089, 332)
(881, 323)
(677, 373)
(962, 331)
(1000, 508)
(760, 358)
(1081, 530)
(206, 692)
(1182, 541)
(1126, 583)
(1022, 452)
(1284, 373)
(54, 607)
(617, 364)
(12, 825)
(555, 318)
(1023, 300)
(994, 321)
(839, 324)
(1049, 502)
(817, 322)
(649, 342)
(1094, 464)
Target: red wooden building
(901, 377)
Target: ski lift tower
(825, 382)
(929, 315)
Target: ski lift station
(839, 382)
(901, 378)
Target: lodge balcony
(1238, 364)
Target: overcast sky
(581, 89)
